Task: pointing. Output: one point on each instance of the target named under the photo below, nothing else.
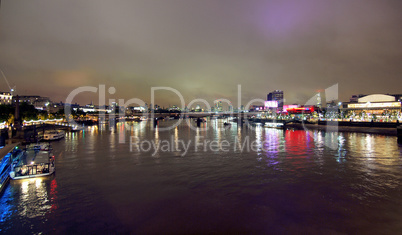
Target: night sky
(202, 48)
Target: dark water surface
(248, 180)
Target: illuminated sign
(375, 105)
(300, 110)
(291, 106)
(271, 104)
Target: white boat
(278, 125)
(77, 129)
(39, 146)
(53, 135)
(33, 164)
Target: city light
(271, 104)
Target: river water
(132, 178)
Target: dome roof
(376, 98)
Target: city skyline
(201, 48)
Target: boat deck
(34, 157)
(33, 164)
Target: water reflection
(156, 134)
(6, 206)
(297, 143)
(319, 137)
(112, 138)
(292, 172)
(341, 154)
(122, 131)
(298, 148)
(272, 140)
(53, 195)
(176, 138)
(34, 199)
(258, 139)
(272, 146)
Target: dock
(6, 166)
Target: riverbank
(358, 129)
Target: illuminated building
(382, 106)
(319, 100)
(35, 100)
(218, 106)
(271, 104)
(355, 98)
(276, 95)
(6, 98)
(300, 110)
(398, 97)
(257, 108)
(290, 106)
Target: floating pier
(5, 165)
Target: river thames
(132, 178)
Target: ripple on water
(295, 181)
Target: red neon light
(290, 106)
(301, 110)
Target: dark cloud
(201, 48)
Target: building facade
(276, 95)
(377, 107)
(6, 98)
(35, 100)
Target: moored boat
(39, 146)
(278, 125)
(33, 163)
(53, 135)
(77, 129)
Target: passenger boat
(278, 125)
(39, 146)
(53, 135)
(33, 163)
(77, 129)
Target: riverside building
(376, 107)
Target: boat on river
(278, 125)
(53, 135)
(77, 129)
(33, 163)
(39, 146)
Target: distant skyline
(203, 49)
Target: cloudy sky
(202, 48)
